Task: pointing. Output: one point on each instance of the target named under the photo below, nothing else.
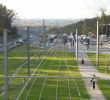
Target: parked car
(103, 36)
(0, 45)
(93, 42)
(20, 41)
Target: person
(93, 81)
(93, 78)
(82, 62)
(73, 42)
(101, 43)
(93, 84)
(87, 46)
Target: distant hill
(90, 25)
(85, 26)
(48, 22)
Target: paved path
(87, 70)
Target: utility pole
(5, 65)
(97, 46)
(28, 35)
(76, 44)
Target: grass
(50, 85)
(15, 59)
(104, 85)
(104, 62)
(44, 88)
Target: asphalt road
(92, 48)
(105, 48)
(11, 45)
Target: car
(0, 45)
(103, 36)
(108, 38)
(93, 42)
(85, 43)
(15, 43)
(20, 41)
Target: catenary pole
(28, 35)
(44, 32)
(5, 65)
(76, 44)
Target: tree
(103, 18)
(104, 21)
(84, 28)
(7, 16)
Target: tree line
(7, 16)
(89, 25)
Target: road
(15, 43)
(92, 48)
(11, 45)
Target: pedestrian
(93, 84)
(101, 43)
(93, 81)
(93, 78)
(73, 42)
(82, 62)
(87, 46)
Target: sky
(57, 9)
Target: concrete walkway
(87, 70)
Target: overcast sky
(57, 9)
